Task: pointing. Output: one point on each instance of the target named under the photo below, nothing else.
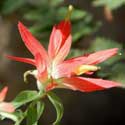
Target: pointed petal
(67, 68)
(6, 107)
(63, 51)
(40, 63)
(25, 60)
(31, 42)
(3, 93)
(89, 84)
(58, 38)
(65, 27)
(55, 42)
(100, 56)
(41, 67)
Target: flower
(53, 71)
(5, 106)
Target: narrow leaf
(25, 97)
(34, 112)
(32, 115)
(11, 5)
(58, 106)
(40, 109)
(9, 116)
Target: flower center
(85, 68)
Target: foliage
(43, 19)
(111, 4)
(58, 106)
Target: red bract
(4, 106)
(52, 71)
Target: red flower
(52, 71)
(5, 106)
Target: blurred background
(96, 25)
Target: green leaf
(25, 97)
(118, 73)
(58, 106)
(55, 2)
(38, 14)
(32, 115)
(34, 112)
(112, 4)
(76, 15)
(104, 43)
(40, 109)
(84, 27)
(82, 21)
(20, 115)
(17, 116)
(9, 116)
(11, 5)
(75, 53)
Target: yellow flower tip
(86, 68)
(68, 15)
(70, 8)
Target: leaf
(11, 5)
(40, 109)
(34, 112)
(55, 2)
(17, 116)
(82, 21)
(111, 4)
(38, 14)
(58, 106)
(32, 115)
(20, 115)
(9, 116)
(118, 72)
(25, 97)
(84, 27)
(104, 43)
(76, 15)
(75, 53)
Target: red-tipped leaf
(3, 93)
